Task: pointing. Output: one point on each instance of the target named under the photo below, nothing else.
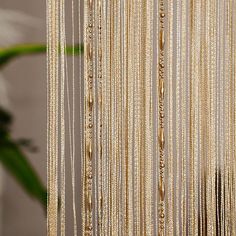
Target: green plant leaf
(16, 163)
(14, 160)
(8, 53)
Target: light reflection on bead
(161, 88)
(90, 4)
(161, 190)
(89, 201)
(161, 138)
(89, 51)
(162, 39)
(90, 151)
(90, 99)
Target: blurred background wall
(26, 79)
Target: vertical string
(183, 139)
(136, 143)
(213, 109)
(177, 119)
(100, 54)
(231, 115)
(105, 117)
(234, 115)
(125, 129)
(142, 120)
(202, 123)
(62, 126)
(221, 112)
(102, 115)
(232, 92)
(73, 122)
(89, 103)
(113, 129)
(194, 115)
(218, 54)
(170, 183)
(156, 115)
(209, 203)
(81, 115)
(110, 117)
(149, 115)
(227, 118)
(130, 118)
(53, 81)
(93, 112)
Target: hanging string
(161, 131)
(137, 117)
(62, 127)
(183, 71)
(202, 123)
(177, 118)
(89, 104)
(221, 118)
(52, 114)
(81, 112)
(73, 121)
(170, 128)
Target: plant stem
(8, 53)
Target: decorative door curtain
(141, 117)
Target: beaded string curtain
(148, 112)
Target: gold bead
(161, 190)
(161, 88)
(100, 7)
(162, 164)
(89, 201)
(160, 232)
(162, 215)
(89, 228)
(90, 151)
(162, 39)
(161, 64)
(162, 15)
(90, 99)
(161, 221)
(161, 138)
(101, 202)
(90, 4)
(100, 54)
(89, 51)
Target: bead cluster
(161, 121)
(99, 75)
(89, 124)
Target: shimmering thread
(170, 184)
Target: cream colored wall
(26, 77)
